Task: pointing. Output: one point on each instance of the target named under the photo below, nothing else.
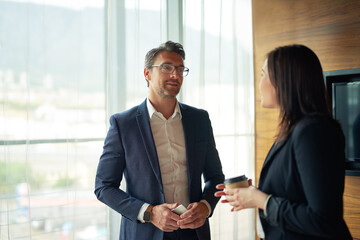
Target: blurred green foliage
(14, 173)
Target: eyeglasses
(169, 68)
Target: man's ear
(147, 74)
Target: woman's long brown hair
(296, 73)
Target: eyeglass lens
(168, 68)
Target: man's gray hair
(169, 46)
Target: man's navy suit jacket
(129, 150)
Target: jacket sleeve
(109, 175)
(318, 150)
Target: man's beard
(162, 92)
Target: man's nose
(175, 73)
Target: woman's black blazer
(305, 175)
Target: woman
(302, 180)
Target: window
(52, 119)
(217, 37)
(66, 66)
(218, 43)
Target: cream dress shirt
(170, 146)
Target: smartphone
(179, 209)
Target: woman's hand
(242, 198)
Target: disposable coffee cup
(236, 182)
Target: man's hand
(163, 218)
(194, 216)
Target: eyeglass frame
(186, 69)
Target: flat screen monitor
(343, 87)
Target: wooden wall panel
(352, 205)
(331, 28)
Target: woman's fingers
(219, 194)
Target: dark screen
(346, 109)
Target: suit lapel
(269, 158)
(275, 148)
(143, 122)
(189, 135)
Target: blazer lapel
(270, 157)
(143, 122)
(189, 135)
(275, 148)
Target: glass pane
(218, 42)
(52, 70)
(144, 30)
(52, 80)
(47, 190)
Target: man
(162, 147)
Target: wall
(331, 28)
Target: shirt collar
(152, 110)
